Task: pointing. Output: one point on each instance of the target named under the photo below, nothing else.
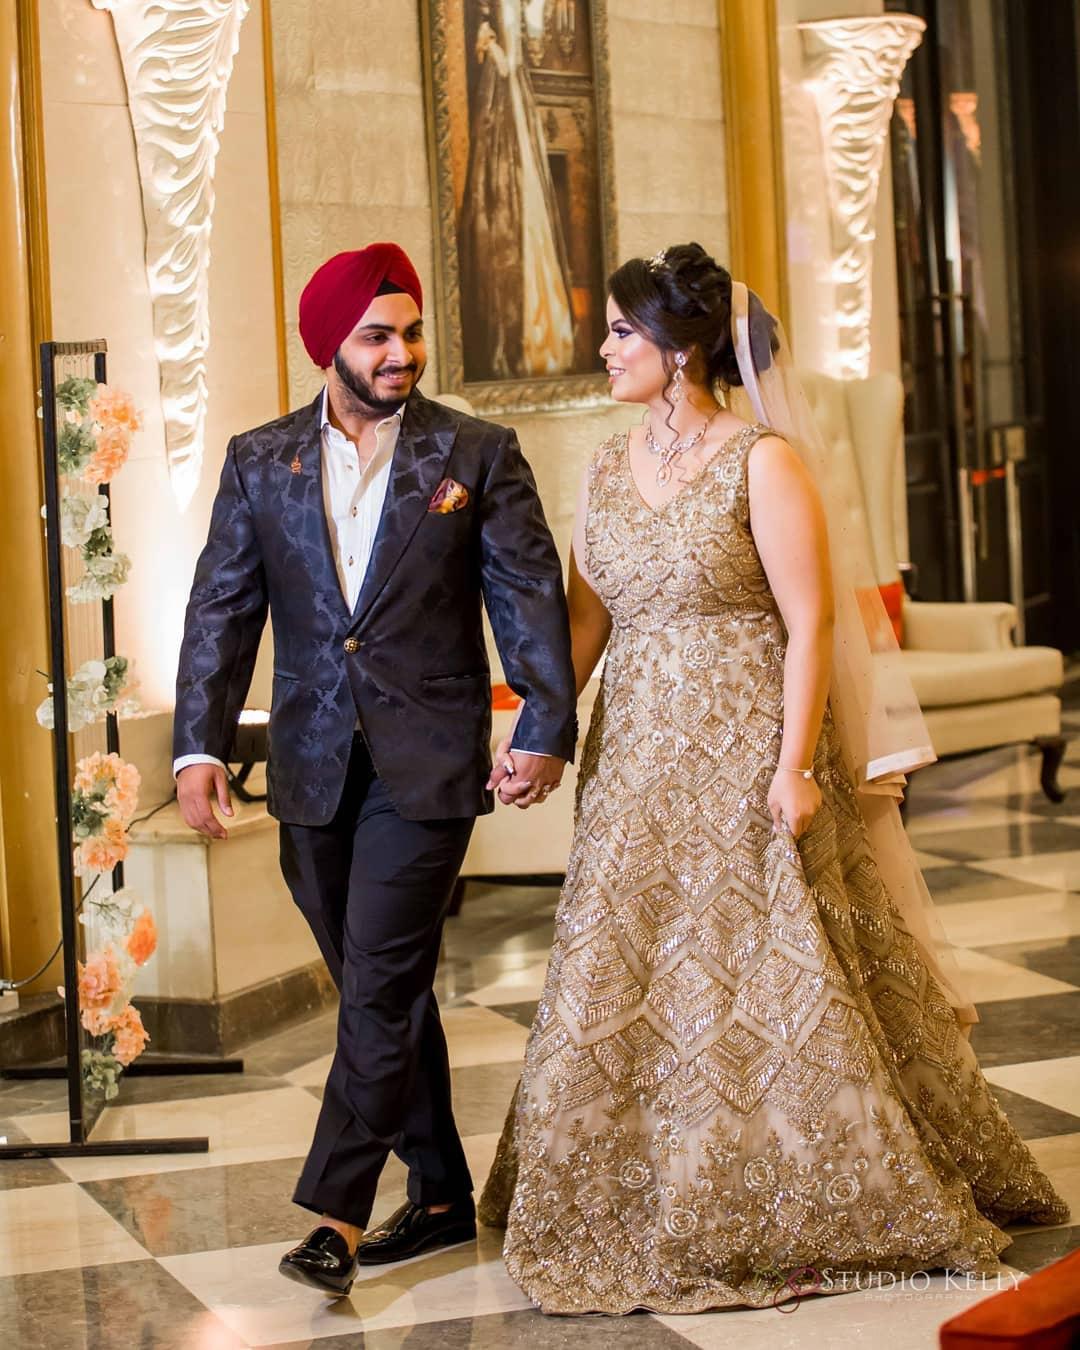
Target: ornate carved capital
(853, 67)
(178, 58)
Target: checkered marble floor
(181, 1251)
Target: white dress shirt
(353, 500)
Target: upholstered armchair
(977, 689)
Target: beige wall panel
(99, 286)
(700, 13)
(76, 64)
(639, 231)
(696, 95)
(258, 931)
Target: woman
(746, 1061)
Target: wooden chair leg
(1052, 749)
(457, 895)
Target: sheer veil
(879, 723)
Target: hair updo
(681, 302)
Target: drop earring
(678, 393)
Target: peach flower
(116, 833)
(96, 771)
(123, 796)
(142, 940)
(88, 770)
(99, 982)
(110, 456)
(130, 1034)
(113, 408)
(110, 775)
(102, 851)
(96, 1021)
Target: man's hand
(197, 788)
(521, 779)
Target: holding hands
(521, 779)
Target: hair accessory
(657, 260)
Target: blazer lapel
(304, 517)
(416, 471)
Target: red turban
(336, 297)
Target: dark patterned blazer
(410, 659)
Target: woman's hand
(502, 769)
(794, 800)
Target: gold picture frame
(518, 99)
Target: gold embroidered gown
(740, 1065)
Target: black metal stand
(1052, 749)
(83, 1110)
(107, 1148)
(238, 780)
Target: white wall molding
(177, 57)
(853, 68)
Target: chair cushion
(1008, 721)
(1041, 1313)
(892, 597)
(952, 679)
(503, 698)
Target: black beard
(360, 389)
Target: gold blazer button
(352, 645)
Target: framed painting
(520, 151)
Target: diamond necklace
(669, 453)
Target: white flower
(92, 691)
(44, 713)
(115, 914)
(81, 516)
(104, 576)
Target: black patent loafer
(412, 1230)
(321, 1261)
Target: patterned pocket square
(449, 496)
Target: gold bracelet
(806, 773)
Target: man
(372, 524)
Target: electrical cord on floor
(9, 986)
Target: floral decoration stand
(86, 432)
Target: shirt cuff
(540, 754)
(185, 760)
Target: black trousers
(375, 889)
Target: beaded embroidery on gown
(740, 1065)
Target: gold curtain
(29, 909)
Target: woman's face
(635, 365)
